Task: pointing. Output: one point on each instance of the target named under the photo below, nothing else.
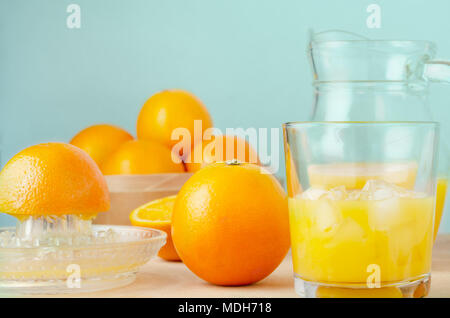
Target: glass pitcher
(357, 79)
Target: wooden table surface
(159, 278)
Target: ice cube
(383, 194)
(377, 190)
(354, 195)
(382, 190)
(338, 193)
(372, 185)
(313, 193)
(384, 214)
(348, 231)
(327, 217)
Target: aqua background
(244, 58)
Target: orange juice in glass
(362, 214)
(355, 176)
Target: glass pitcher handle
(437, 71)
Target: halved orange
(52, 179)
(157, 214)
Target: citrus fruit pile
(154, 150)
(228, 223)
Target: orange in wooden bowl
(170, 109)
(100, 141)
(141, 157)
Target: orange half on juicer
(55, 190)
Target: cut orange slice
(157, 214)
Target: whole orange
(230, 224)
(52, 179)
(220, 148)
(141, 157)
(100, 141)
(168, 110)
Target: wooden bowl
(128, 192)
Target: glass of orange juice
(362, 198)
